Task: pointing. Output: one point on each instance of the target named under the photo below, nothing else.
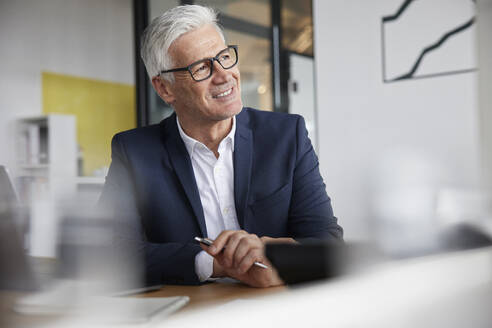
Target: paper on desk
(98, 309)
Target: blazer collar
(180, 161)
(243, 162)
(242, 159)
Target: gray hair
(165, 29)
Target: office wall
(84, 38)
(101, 109)
(369, 130)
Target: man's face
(214, 99)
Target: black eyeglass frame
(211, 59)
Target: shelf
(39, 120)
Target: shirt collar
(191, 143)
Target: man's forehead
(200, 43)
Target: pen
(208, 242)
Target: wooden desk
(213, 293)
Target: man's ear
(163, 88)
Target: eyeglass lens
(203, 69)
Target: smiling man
(214, 168)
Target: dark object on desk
(456, 237)
(297, 263)
(310, 261)
(464, 236)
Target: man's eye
(225, 57)
(200, 68)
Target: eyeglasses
(203, 69)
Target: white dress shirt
(215, 181)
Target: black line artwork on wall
(403, 57)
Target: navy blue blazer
(151, 189)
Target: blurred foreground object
(92, 274)
(15, 273)
(465, 217)
(403, 192)
(451, 290)
(418, 209)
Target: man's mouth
(223, 94)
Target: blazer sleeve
(310, 213)
(166, 263)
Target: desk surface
(213, 293)
(200, 296)
(445, 290)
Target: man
(213, 169)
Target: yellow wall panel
(102, 109)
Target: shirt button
(226, 210)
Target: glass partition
(257, 11)
(158, 109)
(297, 26)
(256, 69)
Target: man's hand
(283, 240)
(234, 255)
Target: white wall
(87, 38)
(363, 122)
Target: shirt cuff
(204, 266)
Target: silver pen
(208, 242)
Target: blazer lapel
(243, 161)
(180, 160)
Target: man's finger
(222, 240)
(232, 243)
(205, 247)
(245, 245)
(249, 259)
(219, 242)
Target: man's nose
(219, 74)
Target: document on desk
(100, 309)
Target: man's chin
(238, 109)
(230, 112)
